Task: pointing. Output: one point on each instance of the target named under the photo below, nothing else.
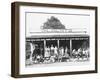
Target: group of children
(81, 53)
(51, 54)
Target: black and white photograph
(57, 39)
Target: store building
(69, 41)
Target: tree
(53, 23)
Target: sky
(34, 21)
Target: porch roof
(58, 36)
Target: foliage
(53, 23)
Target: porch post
(44, 46)
(70, 47)
(58, 43)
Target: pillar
(70, 47)
(44, 46)
(58, 43)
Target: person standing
(56, 50)
(62, 51)
(52, 50)
(46, 52)
(66, 52)
(32, 49)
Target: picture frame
(53, 39)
